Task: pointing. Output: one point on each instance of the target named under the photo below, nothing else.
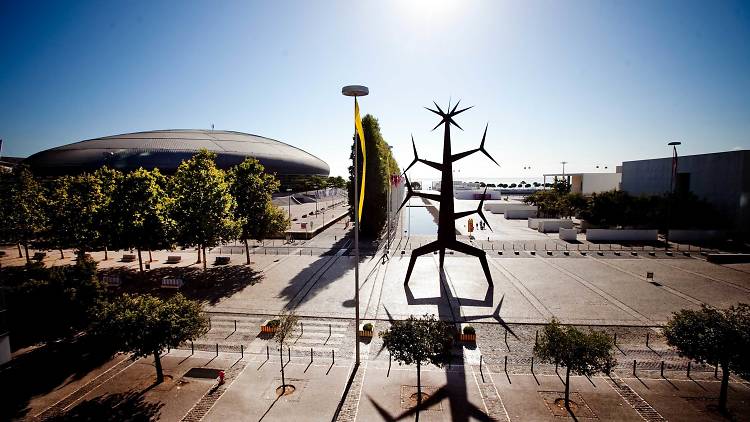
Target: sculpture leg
(473, 251)
(422, 250)
(442, 258)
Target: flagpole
(355, 91)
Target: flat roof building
(722, 179)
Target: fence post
(288, 354)
(302, 325)
(311, 355)
(536, 338)
(647, 337)
(333, 356)
(480, 362)
(506, 364)
(235, 325)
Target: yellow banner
(361, 136)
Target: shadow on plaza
(325, 271)
(128, 406)
(210, 285)
(44, 369)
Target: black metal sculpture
(447, 217)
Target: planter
(265, 328)
(468, 338)
(365, 333)
(633, 235)
(554, 226)
(568, 235)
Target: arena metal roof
(166, 149)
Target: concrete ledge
(534, 222)
(520, 214)
(568, 235)
(641, 235)
(697, 235)
(728, 258)
(554, 226)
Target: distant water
(495, 180)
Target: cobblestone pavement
(209, 399)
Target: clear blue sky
(589, 82)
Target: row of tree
(619, 209)
(707, 335)
(380, 166)
(200, 206)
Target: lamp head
(675, 143)
(355, 90)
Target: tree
(141, 212)
(579, 352)
(713, 335)
(22, 217)
(253, 188)
(419, 340)
(336, 182)
(105, 219)
(203, 204)
(85, 200)
(284, 330)
(380, 164)
(58, 234)
(146, 325)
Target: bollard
(662, 369)
(647, 336)
(615, 339)
(242, 350)
(688, 371)
(217, 349)
(302, 326)
(235, 325)
(532, 364)
(268, 353)
(506, 335)
(209, 324)
(506, 363)
(311, 355)
(555, 367)
(536, 338)
(192, 347)
(288, 354)
(329, 330)
(480, 362)
(333, 356)
(716, 370)
(634, 368)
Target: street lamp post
(672, 176)
(356, 91)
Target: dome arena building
(166, 149)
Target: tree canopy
(22, 217)
(203, 204)
(380, 165)
(579, 352)
(717, 336)
(147, 325)
(419, 341)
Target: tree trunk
(149, 256)
(26, 248)
(247, 252)
(567, 387)
(724, 385)
(140, 261)
(159, 372)
(204, 257)
(20, 254)
(62, 256)
(106, 255)
(199, 255)
(419, 385)
(283, 381)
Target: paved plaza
(535, 277)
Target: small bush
(367, 327)
(469, 330)
(273, 323)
